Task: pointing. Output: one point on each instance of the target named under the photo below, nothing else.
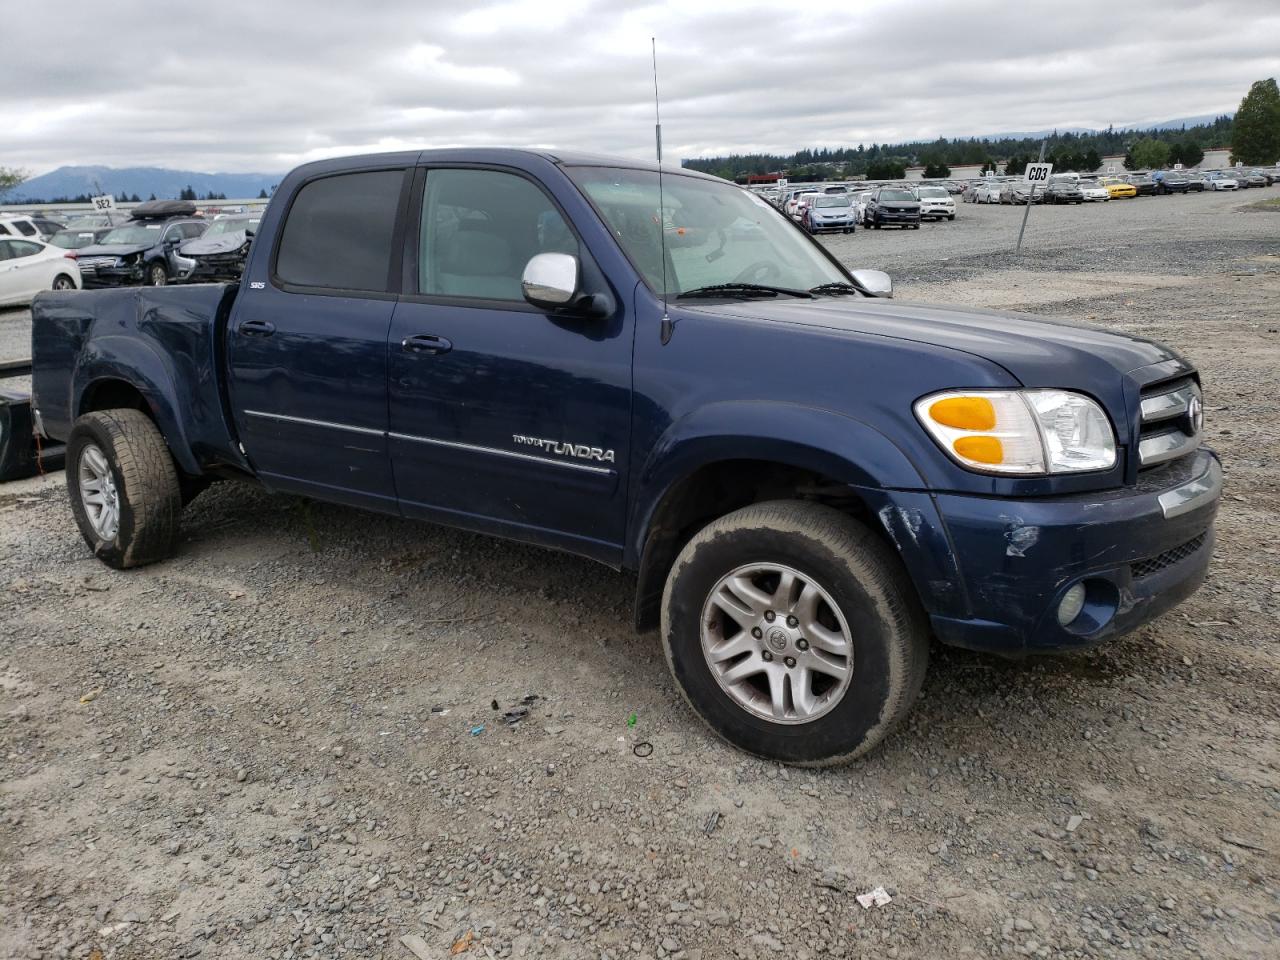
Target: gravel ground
(289, 741)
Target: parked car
(1016, 191)
(1254, 178)
(851, 479)
(1217, 180)
(802, 202)
(19, 225)
(1063, 190)
(1118, 188)
(969, 192)
(1142, 183)
(936, 203)
(896, 206)
(29, 266)
(860, 201)
(1093, 191)
(830, 213)
(78, 239)
(1197, 182)
(219, 253)
(47, 225)
(1170, 181)
(1269, 174)
(989, 191)
(107, 218)
(143, 250)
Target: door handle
(425, 343)
(257, 328)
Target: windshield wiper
(737, 289)
(836, 287)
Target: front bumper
(122, 276)
(822, 226)
(992, 571)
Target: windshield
(832, 202)
(895, 195)
(135, 234)
(231, 225)
(715, 232)
(72, 239)
(932, 192)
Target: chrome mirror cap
(550, 279)
(875, 282)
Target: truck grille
(1144, 568)
(1171, 423)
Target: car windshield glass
(715, 232)
(895, 195)
(832, 202)
(149, 233)
(932, 192)
(230, 225)
(72, 239)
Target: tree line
(1254, 134)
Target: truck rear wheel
(794, 633)
(124, 488)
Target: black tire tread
(149, 483)
(873, 563)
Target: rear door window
(24, 248)
(24, 228)
(339, 232)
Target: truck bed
(167, 341)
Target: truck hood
(1039, 352)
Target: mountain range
(143, 181)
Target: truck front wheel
(794, 633)
(124, 488)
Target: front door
(308, 345)
(505, 418)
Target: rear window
(339, 232)
(24, 228)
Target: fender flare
(137, 364)
(832, 444)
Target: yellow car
(1118, 188)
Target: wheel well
(113, 395)
(713, 491)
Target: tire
(63, 282)
(143, 482)
(951, 217)
(861, 582)
(157, 275)
(915, 226)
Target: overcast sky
(230, 86)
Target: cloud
(238, 86)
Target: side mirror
(550, 280)
(875, 282)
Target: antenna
(667, 326)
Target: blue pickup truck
(808, 479)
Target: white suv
(936, 203)
(19, 225)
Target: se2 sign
(103, 203)
(1038, 173)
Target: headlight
(1022, 432)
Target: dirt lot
(284, 742)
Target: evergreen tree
(1190, 154)
(1255, 136)
(262, 194)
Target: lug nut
(790, 661)
(792, 622)
(757, 632)
(802, 644)
(769, 615)
(767, 657)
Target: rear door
(308, 347)
(504, 417)
(23, 271)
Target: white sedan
(988, 193)
(1222, 181)
(1094, 191)
(28, 266)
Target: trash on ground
(515, 715)
(875, 898)
(643, 749)
(631, 720)
(91, 696)
(493, 704)
(713, 821)
(529, 698)
(462, 943)
(1073, 822)
(477, 729)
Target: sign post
(1037, 175)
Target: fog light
(1071, 605)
